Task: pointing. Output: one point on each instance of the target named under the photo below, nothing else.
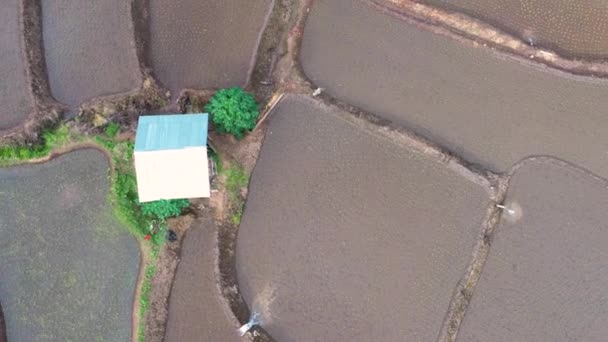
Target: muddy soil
(166, 266)
(571, 28)
(68, 267)
(208, 44)
(2, 326)
(491, 110)
(14, 93)
(544, 278)
(197, 311)
(335, 247)
(90, 49)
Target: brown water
(347, 236)
(490, 110)
(68, 268)
(15, 100)
(89, 49)
(196, 311)
(545, 278)
(204, 44)
(572, 28)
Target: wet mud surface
(2, 326)
(67, 267)
(545, 277)
(196, 309)
(347, 236)
(14, 92)
(489, 110)
(204, 44)
(89, 49)
(571, 28)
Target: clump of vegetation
(144, 295)
(163, 209)
(112, 130)
(236, 179)
(51, 139)
(233, 111)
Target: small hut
(171, 157)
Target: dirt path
(196, 311)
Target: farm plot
(204, 44)
(349, 236)
(15, 100)
(490, 110)
(89, 48)
(67, 267)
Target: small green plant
(233, 111)
(163, 209)
(112, 130)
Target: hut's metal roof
(171, 132)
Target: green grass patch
(112, 130)
(236, 178)
(51, 139)
(146, 288)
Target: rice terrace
(303, 170)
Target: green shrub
(163, 209)
(112, 130)
(233, 111)
(51, 139)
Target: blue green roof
(171, 132)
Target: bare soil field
(490, 110)
(89, 48)
(204, 44)
(571, 28)
(545, 277)
(67, 267)
(348, 236)
(15, 99)
(195, 305)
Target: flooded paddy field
(571, 28)
(67, 267)
(490, 110)
(15, 99)
(89, 48)
(204, 44)
(347, 236)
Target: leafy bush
(112, 130)
(163, 209)
(233, 111)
